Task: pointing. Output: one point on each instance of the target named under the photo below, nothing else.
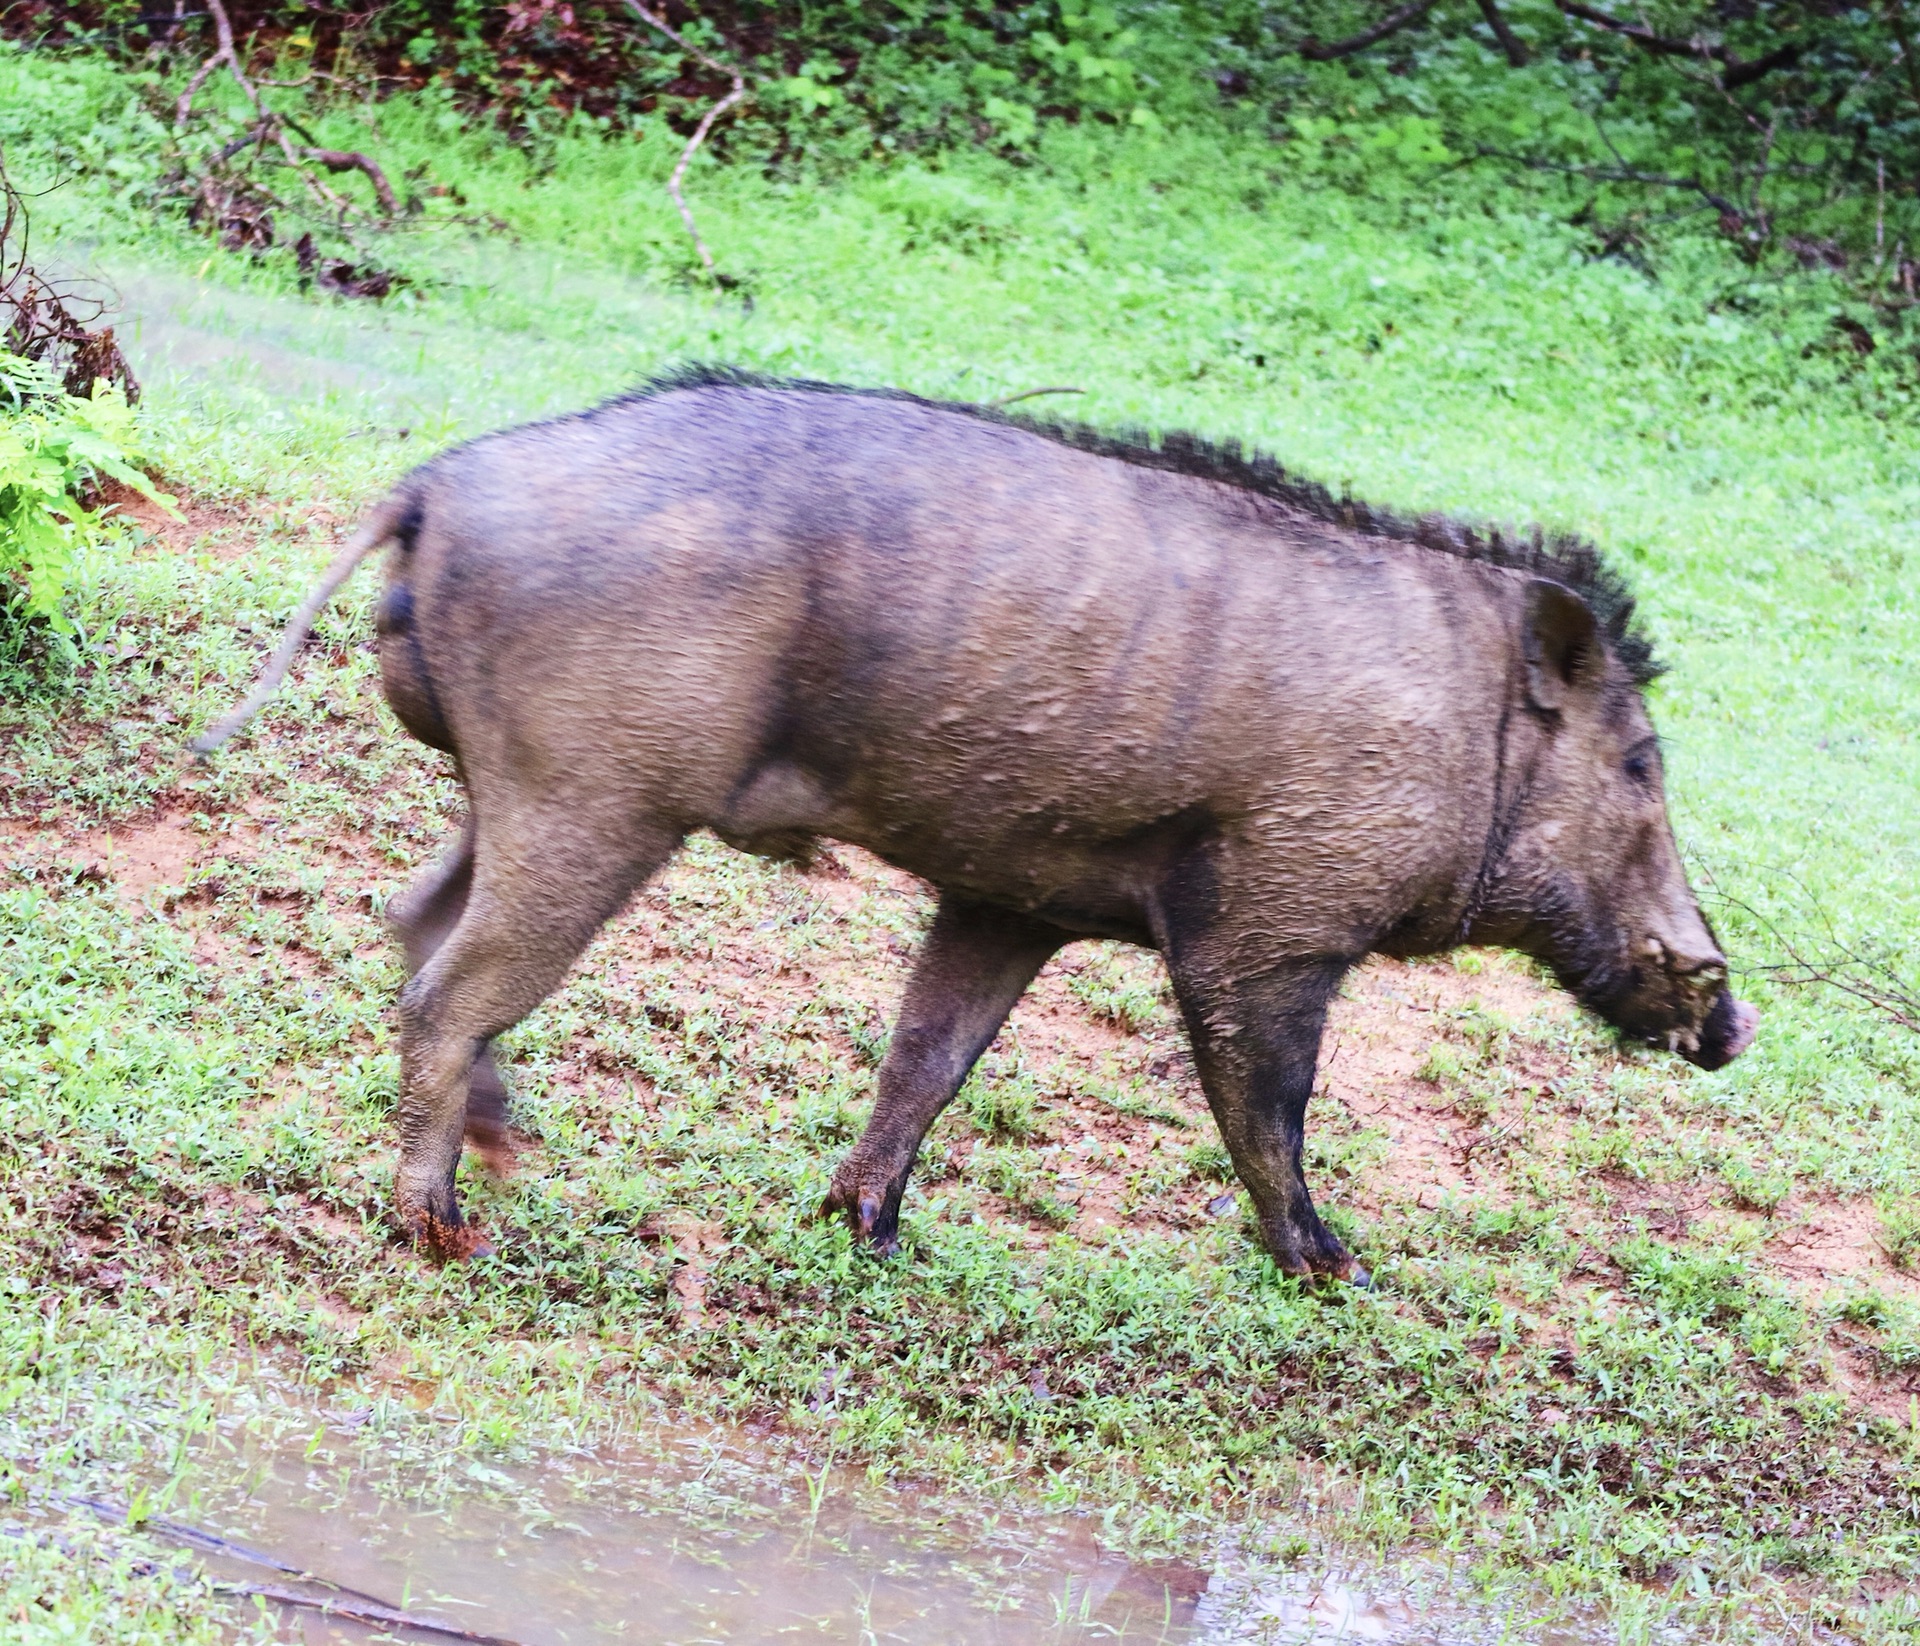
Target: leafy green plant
(1442, 1063)
(53, 446)
(1020, 1178)
(1863, 1309)
(1697, 1285)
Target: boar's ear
(1562, 642)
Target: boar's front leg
(424, 915)
(1256, 1041)
(976, 962)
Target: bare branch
(1616, 174)
(1737, 73)
(1744, 74)
(680, 170)
(1828, 960)
(1897, 20)
(270, 126)
(360, 1611)
(183, 110)
(49, 321)
(656, 21)
(1392, 23)
(354, 160)
(737, 95)
(1510, 42)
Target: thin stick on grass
(1028, 394)
(737, 95)
(362, 1611)
(1828, 960)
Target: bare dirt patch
(198, 523)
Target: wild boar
(1087, 686)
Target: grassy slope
(196, 1098)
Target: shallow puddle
(704, 1541)
(684, 1550)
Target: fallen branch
(1392, 23)
(362, 1611)
(1615, 174)
(356, 1605)
(37, 315)
(737, 95)
(271, 127)
(354, 160)
(211, 1543)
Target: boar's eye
(1639, 765)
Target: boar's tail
(382, 524)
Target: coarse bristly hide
(1559, 557)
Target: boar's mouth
(1649, 1007)
(1708, 1030)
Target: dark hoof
(868, 1216)
(1325, 1263)
(1331, 1277)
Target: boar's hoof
(1349, 1271)
(459, 1243)
(1317, 1258)
(874, 1218)
(445, 1240)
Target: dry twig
(736, 95)
(1827, 959)
(1028, 394)
(277, 129)
(38, 318)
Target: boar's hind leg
(976, 962)
(535, 902)
(1257, 1043)
(423, 916)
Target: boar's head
(1590, 880)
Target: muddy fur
(1086, 686)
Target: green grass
(196, 1078)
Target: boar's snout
(1727, 1032)
(1686, 987)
